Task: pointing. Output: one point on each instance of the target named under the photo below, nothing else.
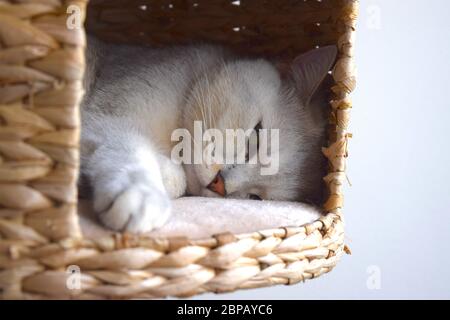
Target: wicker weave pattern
(41, 66)
(251, 26)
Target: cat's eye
(257, 128)
(253, 196)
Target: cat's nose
(218, 185)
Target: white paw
(138, 208)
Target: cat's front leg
(128, 191)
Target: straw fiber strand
(41, 68)
(37, 178)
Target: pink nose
(218, 185)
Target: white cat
(136, 97)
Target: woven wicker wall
(41, 67)
(282, 27)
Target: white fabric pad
(197, 217)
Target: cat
(136, 96)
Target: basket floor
(198, 217)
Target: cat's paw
(137, 208)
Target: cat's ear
(309, 70)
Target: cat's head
(251, 94)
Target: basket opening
(245, 27)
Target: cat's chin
(203, 192)
(195, 188)
(209, 194)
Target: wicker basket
(41, 68)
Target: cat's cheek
(193, 186)
(174, 179)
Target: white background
(398, 208)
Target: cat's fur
(136, 96)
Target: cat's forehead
(254, 74)
(246, 84)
